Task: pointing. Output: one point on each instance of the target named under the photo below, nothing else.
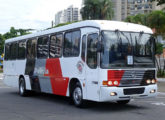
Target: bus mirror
(99, 46)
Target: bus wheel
(77, 96)
(22, 87)
(123, 102)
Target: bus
(93, 60)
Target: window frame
(18, 50)
(71, 31)
(96, 51)
(55, 34)
(48, 36)
(85, 47)
(34, 38)
(9, 44)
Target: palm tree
(97, 9)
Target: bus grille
(136, 77)
(132, 91)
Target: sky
(34, 14)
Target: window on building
(31, 48)
(42, 47)
(56, 45)
(92, 50)
(21, 49)
(83, 48)
(71, 44)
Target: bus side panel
(58, 81)
(44, 81)
(12, 71)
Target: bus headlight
(153, 81)
(110, 83)
(115, 82)
(148, 81)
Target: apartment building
(68, 15)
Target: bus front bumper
(127, 93)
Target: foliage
(1, 44)
(97, 9)
(12, 33)
(159, 48)
(160, 2)
(155, 20)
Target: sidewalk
(1, 76)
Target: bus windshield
(127, 49)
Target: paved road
(50, 107)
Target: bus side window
(7, 51)
(21, 49)
(13, 51)
(92, 50)
(83, 48)
(42, 47)
(31, 48)
(56, 46)
(72, 44)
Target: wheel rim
(21, 88)
(77, 95)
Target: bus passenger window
(7, 52)
(13, 51)
(71, 44)
(31, 48)
(83, 48)
(92, 50)
(21, 49)
(56, 46)
(42, 47)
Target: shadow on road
(61, 101)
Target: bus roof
(100, 24)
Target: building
(68, 15)
(120, 9)
(140, 7)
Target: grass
(1, 70)
(161, 74)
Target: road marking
(159, 103)
(161, 93)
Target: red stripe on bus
(58, 82)
(115, 75)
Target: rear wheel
(123, 102)
(77, 96)
(22, 87)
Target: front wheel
(77, 96)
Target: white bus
(94, 60)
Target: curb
(161, 79)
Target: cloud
(35, 14)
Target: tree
(160, 2)
(1, 44)
(12, 33)
(156, 20)
(139, 19)
(97, 9)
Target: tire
(123, 102)
(22, 87)
(77, 96)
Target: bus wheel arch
(76, 93)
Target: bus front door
(91, 68)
